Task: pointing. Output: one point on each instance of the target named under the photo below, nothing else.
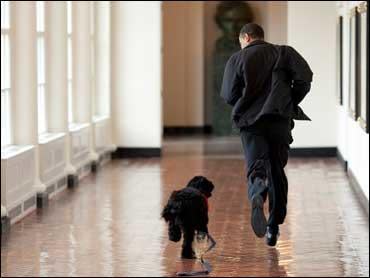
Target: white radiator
(52, 157)
(102, 134)
(17, 177)
(80, 144)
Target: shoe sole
(258, 221)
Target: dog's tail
(170, 215)
(170, 211)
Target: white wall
(353, 142)
(136, 73)
(312, 32)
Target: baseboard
(5, 225)
(187, 130)
(136, 153)
(313, 152)
(342, 160)
(355, 185)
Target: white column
(56, 59)
(103, 65)
(56, 73)
(24, 76)
(102, 56)
(320, 103)
(82, 69)
(112, 114)
(81, 61)
(136, 73)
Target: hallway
(109, 225)
(144, 83)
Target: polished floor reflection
(110, 224)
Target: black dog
(187, 212)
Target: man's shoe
(258, 220)
(272, 235)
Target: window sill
(14, 150)
(45, 138)
(98, 119)
(74, 127)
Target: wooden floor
(110, 224)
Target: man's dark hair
(253, 30)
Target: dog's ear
(203, 184)
(195, 182)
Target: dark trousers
(266, 146)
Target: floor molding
(356, 187)
(186, 130)
(136, 153)
(5, 225)
(313, 152)
(342, 160)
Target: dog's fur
(187, 212)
